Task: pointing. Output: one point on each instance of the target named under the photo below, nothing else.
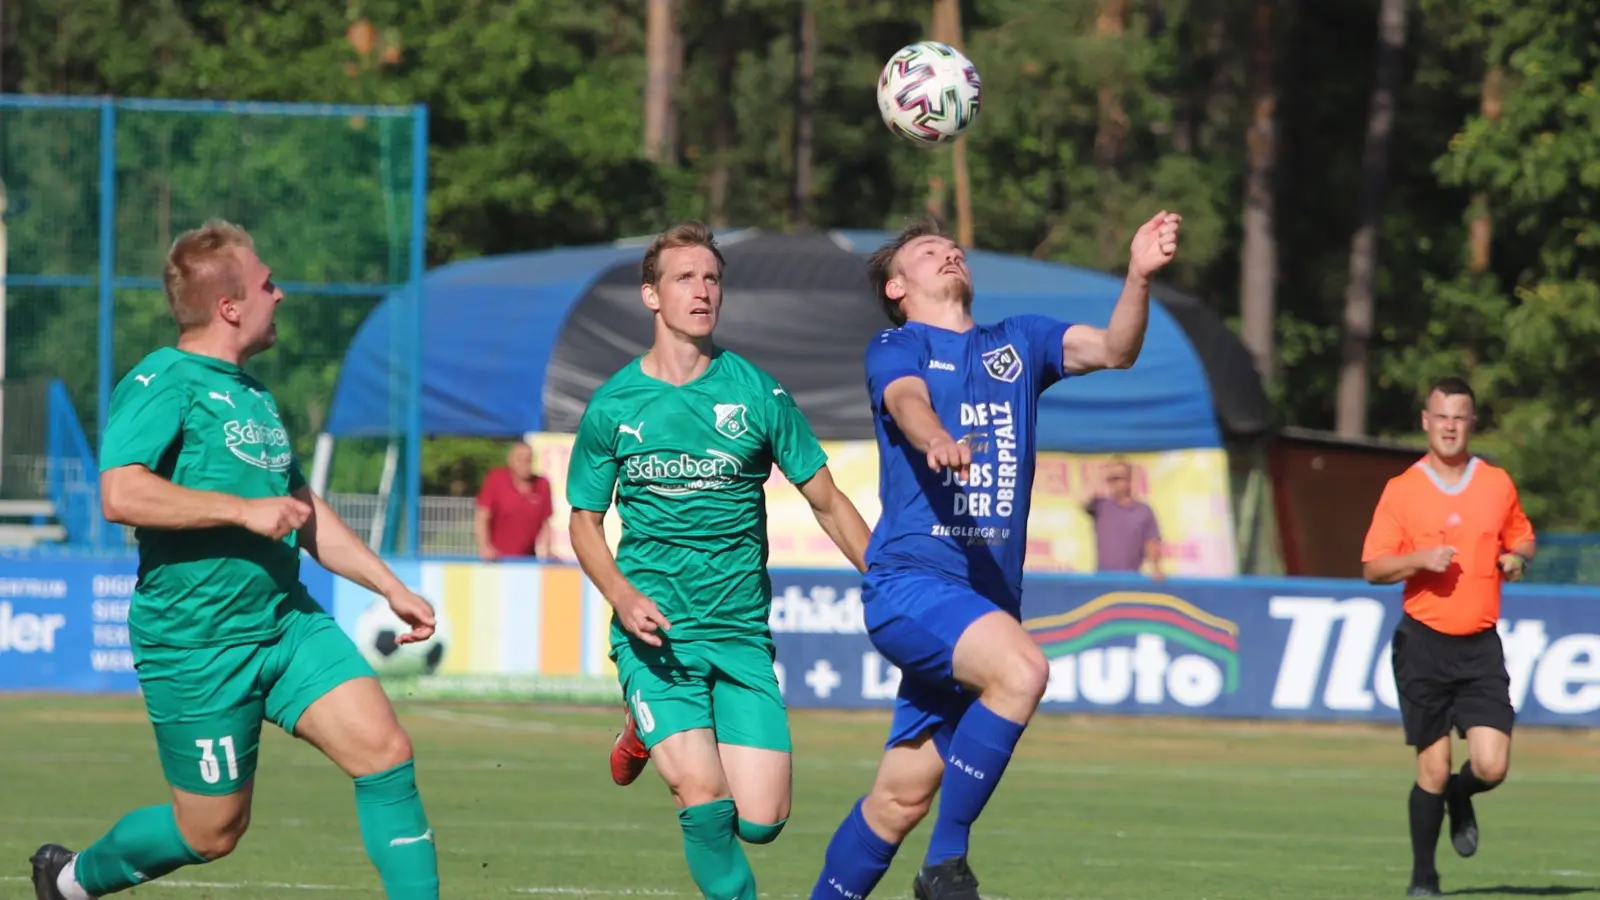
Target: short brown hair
(880, 265)
(1452, 387)
(202, 266)
(684, 234)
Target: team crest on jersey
(730, 420)
(1003, 364)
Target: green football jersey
(203, 423)
(687, 466)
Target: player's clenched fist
(1154, 244)
(274, 517)
(945, 453)
(639, 615)
(1437, 559)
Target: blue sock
(979, 752)
(856, 860)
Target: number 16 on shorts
(641, 714)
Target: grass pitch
(1092, 808)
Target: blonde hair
(679, 236)
(201, 267)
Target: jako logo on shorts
(1137, 647)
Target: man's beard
(959, 291)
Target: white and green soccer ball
(377, 635)
(929, 93)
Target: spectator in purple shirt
(1126, 534)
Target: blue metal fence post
(108, 258)
(419, 235)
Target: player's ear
(895, 288)
(652, 300)
(228, 310)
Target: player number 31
(210, 769)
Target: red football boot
(628, 755)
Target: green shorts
(207, 704)
(727, 685)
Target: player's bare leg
(1426, 814)
(865, 844)
(903, 791)
(628, 753)
(690, 762)
(355, 726)
(762, 785)
(1488, 760)
(213, 825)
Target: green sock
(395, 829)
(711, 844)
(144, 845)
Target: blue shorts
(914, 621)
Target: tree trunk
(1258, 276)
(1358, 296)
(805, 63)
(947, 28)
(1482, 225)
(1112, 129)
(660, 49)
(724, 129)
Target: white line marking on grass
(181, 885)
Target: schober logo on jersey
(1179, 652)
(1337, 657)
(262, 446)
(688, 473)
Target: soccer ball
(377, 631)
(929, 93)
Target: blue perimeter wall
(1251, 648)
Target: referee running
(1451, 528)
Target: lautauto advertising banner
(1255, 648)
(1302, 649)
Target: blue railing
(106, 281)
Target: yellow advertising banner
(1186, 489)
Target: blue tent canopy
(516, 343)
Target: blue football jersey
(985, 385)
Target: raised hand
(1154, 244)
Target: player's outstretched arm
(908, 403)
(838, 517)
(637, 613)
(1085, 348)
(341, 551)
(133, 495)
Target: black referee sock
(1469, 783)
(1427, 818)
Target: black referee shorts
(1445, 681)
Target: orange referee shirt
(1479, 515)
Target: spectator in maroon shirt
(1126, 534)
(513, 509)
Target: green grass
(1103, 808)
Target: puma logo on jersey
(941, 365)
(225, 398)
(778, 392)
(633, 430)
(145, 379)
(425, 837)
